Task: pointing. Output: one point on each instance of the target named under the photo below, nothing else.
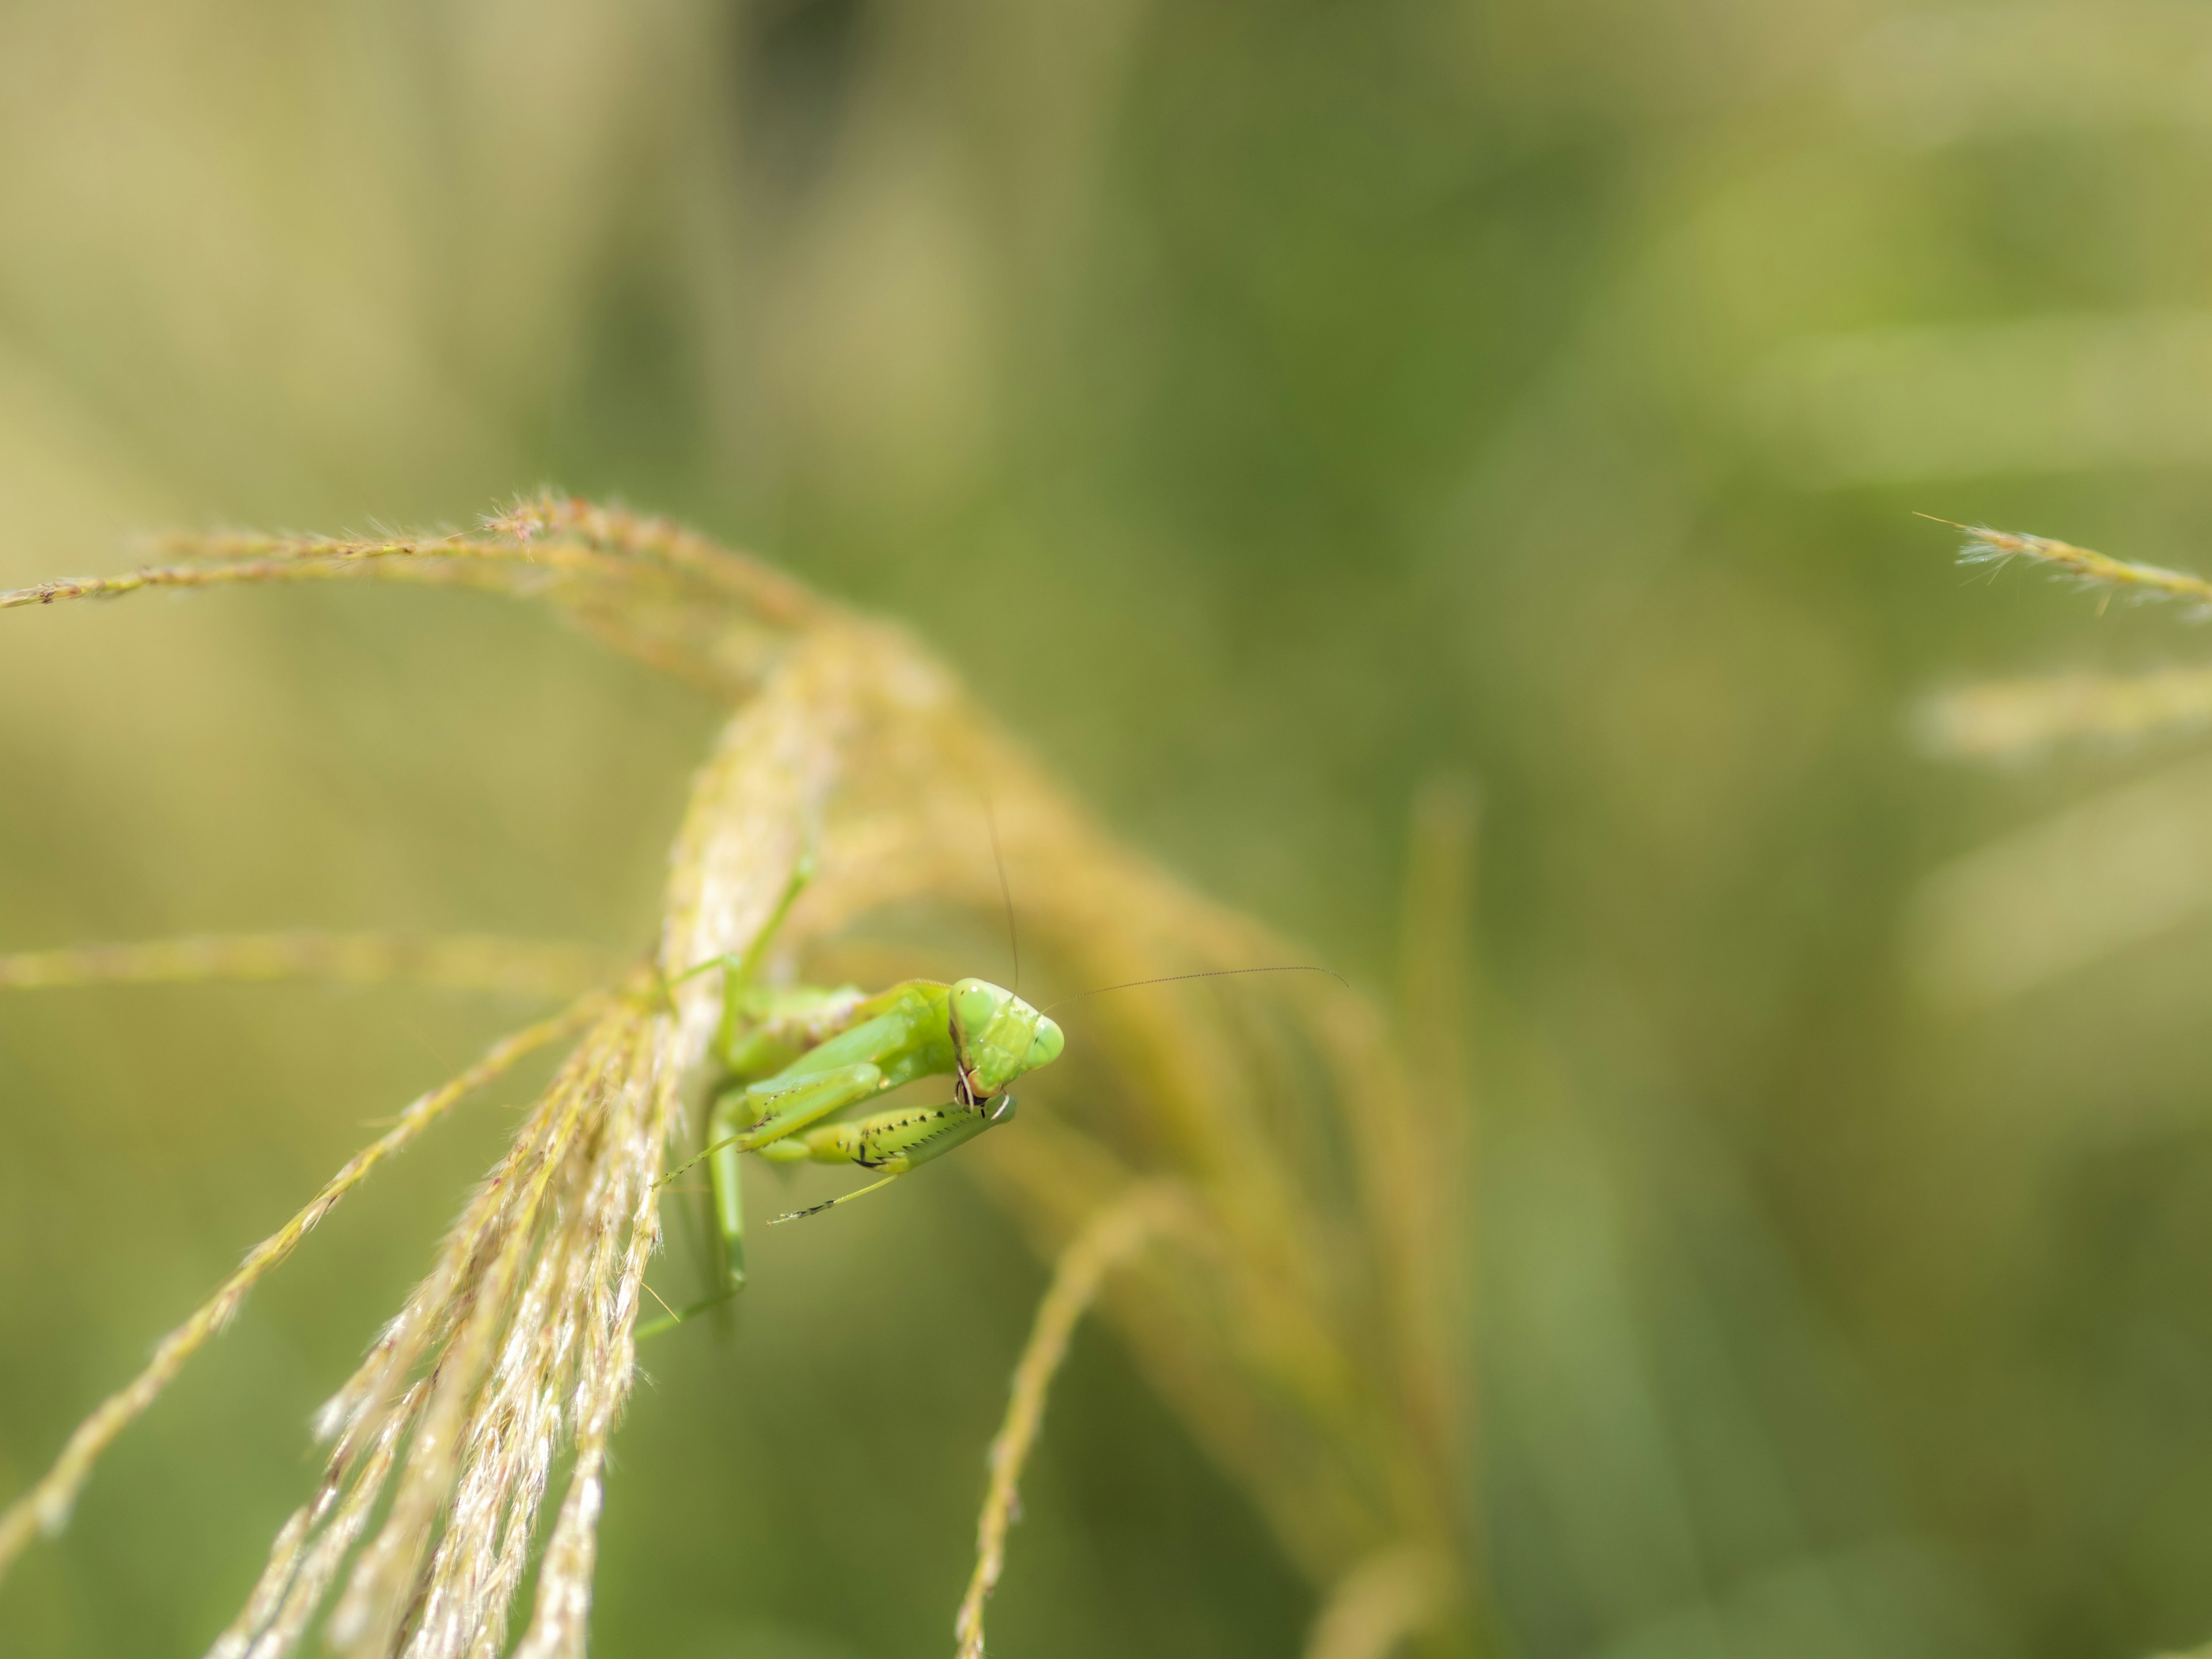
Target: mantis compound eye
(974, 1003)
(1045, 1046)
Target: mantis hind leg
(725, 1200)
(740, 970)
(742, 1119)
(726, 1187)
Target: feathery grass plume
(2090, 569)
(2005, 720)
(1295, 1324)
(1302, 1347)
(459, 962)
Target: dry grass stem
(1123, 1229)
(1297, 1329)
(667, 597)
(46, 1505)
(431, 562)
(465, 962)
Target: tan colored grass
(467, 962)
(1299, 1324)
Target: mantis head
(998, 1036)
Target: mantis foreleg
(896, 1142)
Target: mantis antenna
(1211, 973)
(1006, 890)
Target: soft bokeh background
(1268, 404)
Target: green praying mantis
(791, 1059)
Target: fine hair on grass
(1258, 1182)
(2007, 719)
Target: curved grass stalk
(572, 536)
(766, 593)
(46, 1505)
(457, 961)
(1119, 1232)
(667, 597)
(491, 566)
(1298, 1337)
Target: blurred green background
(1268, 402)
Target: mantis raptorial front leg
(793, 1059)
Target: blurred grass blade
(1381, 1602)
(2013, 720)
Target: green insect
(791, 1059)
